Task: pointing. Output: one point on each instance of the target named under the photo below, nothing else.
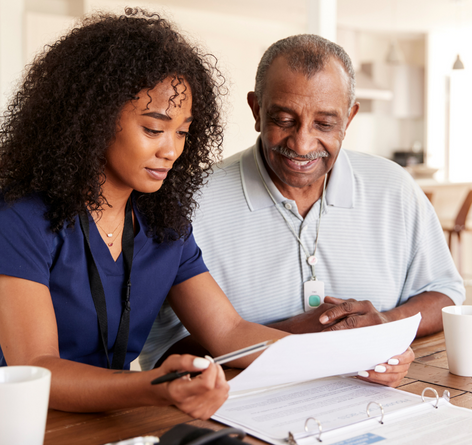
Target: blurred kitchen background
(413, 60)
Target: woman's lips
(158, 173)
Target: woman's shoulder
(33, 207)
(28, 213)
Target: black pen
(220, 360)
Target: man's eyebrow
(163, 117)
(276, 108)
(328, 113)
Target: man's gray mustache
(288, 153)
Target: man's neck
(304, 197)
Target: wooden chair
(458, 226)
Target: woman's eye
(184, 134)
(151, 131)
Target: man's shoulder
(374, 166)
(228, 171)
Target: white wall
(11, 47)
(442, 49)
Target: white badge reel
(314, 294)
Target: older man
(295, 218)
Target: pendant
(110, 244)
(109, 235)
(313, 291)
(311, 260)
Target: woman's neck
(110, 222)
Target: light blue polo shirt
(379, 240)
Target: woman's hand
(392, 372)
(199, 396)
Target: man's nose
(302, 141)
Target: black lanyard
(98, 294)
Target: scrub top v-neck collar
(101, 252)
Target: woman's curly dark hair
(57, 128)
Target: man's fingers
(347, 307)
(352, 314)
(345, 323)
(333, 300)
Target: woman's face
(150, 136)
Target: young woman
(114, 129)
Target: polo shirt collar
(340, 190)
(339, 193)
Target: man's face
(302, 122)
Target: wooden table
(428, 369)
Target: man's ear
(254, 104)
(352, 113)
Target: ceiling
(375, 15)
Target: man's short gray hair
(307, 53)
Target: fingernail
(380, 368)
(324, 319)
(201, 363)
(393, 361)
(210, 359)
(363, 373)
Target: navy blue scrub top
(29, 250)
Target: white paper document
(339, 404)
(298, 358)
(334, 401)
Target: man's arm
(337, 314)
(348, 314)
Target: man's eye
(283, 122)
(324, 126)
(151, 131)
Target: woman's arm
(209, 316)
(28, 336)
(211, 319)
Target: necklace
(108, 234)
(109, 244)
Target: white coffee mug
(24, 398)
(457, 322)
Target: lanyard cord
(98, 294)
(289, 223)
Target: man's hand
(350, 314)
(306, 322)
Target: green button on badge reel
(314, 300)
(313, 293)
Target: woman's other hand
(392, 372)
(200, 396)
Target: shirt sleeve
(24, 241)
(431, 268)
(191, 261)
